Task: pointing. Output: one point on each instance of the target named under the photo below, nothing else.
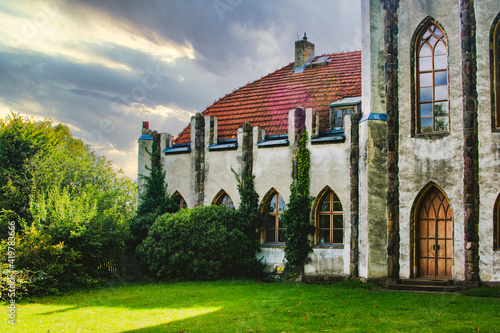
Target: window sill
(273, 245)
(328, 246)
(431, 136)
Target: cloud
(102, 67)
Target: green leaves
(203, 243)
(296, 216)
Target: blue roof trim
(273, 141)
(178, 149)
(330, 136)
(374, 116)
(328, 139)
(224, 145)
(145, 137)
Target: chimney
(145, 124)
(303, 51)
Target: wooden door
(434, 235)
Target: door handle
(434, 247)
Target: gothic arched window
(432, 81)
(274, 231)
(330, 220)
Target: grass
(246, 306)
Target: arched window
(179, 200)
(225, 200)
(329, 220)
(432, 103)
(274, 231)
(495, 64)
(496, 225)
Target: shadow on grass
(59, 311)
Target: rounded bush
(202, 243)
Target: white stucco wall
(489, 143)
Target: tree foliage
(154, 201)
(73, 219)
(203, 243)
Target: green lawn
(245, 306)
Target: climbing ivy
(296, 217)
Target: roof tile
(266, 101)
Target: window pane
(324, 236)
(425, 110)
(440, 48)
(426, 125)
(338, 221)
(440, 62)
(441, 93)
(441, 124)
(337, 206)
(271, 222)
(272, 205)
(425, 51)
(441, 109)
(231, 206)
(324, 221)
(432, 40)
(338, 237)
(282, 205)
(425, 94)
(440, 78)
(426, 80)
(325, 204)
(438, 32)
(425, 64)
(427, 32)
(270, 236)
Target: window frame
(430, 28)
(180, 201)
(331, 213)
(495, 74)
(228, 203)
(496, 225)
(347, 109)
(276, 213)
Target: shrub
(202, 243)
(14, 285)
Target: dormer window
(337, 116)
(341, 108)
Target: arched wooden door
(434, 243)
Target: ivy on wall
(251, 219)
(297, 215)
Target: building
(404, 139)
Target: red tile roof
(266, 101)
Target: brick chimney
(303, 51)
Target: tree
(73, 210)
(154, 202)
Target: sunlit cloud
(79, 33)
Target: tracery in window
(330, 220)
(274, 230)
(432, 81)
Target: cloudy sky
(102, 67)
